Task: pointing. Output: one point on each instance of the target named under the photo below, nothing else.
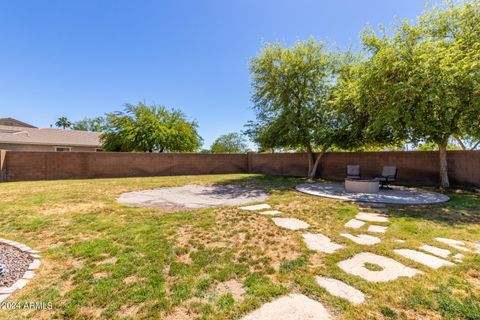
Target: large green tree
(291, 90)
(420, 81)
(229, 143)
(150, 129)
(96, 124)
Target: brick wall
(414, 167)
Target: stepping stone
(391, 269)
(459, 245)
(320, 243)
(270, 212)
(458, 257)
(371, 217)
(444, 253)
(354, 223)
(371, 204)
(262, 206)
(341, 289)
(364, 239)
(377, 229)
(290, 223)
(291, 307)
(423, 258)
(400, 240)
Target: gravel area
(15, 262)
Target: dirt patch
(99, 275)
(233, 287)
(129, 311)
(111, 260)
(473, 276)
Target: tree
(291, 89)
(421, 84)
(229, 143)
(90, 124)
(150, 128)
(63, 122)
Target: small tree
(90, 124)
(422, 83)
(291, 90)
(150, 128)
(63, 122)
(229, 143)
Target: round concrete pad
(397, 195)
(194, 197)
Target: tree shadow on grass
(463, 208)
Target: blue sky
(83, 58)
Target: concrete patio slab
(341, 289)
(364, 239)
(423, 258)
(193, 197)
(371, 217)
(397, 195)
(444, 253)
(290, 223)
(391, 269)
(354, 224)
(291, 307)
(320, 243)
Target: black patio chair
(353, 172)
(389, 175)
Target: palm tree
(63, 122)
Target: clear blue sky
(83, 58)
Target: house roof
(14, 122)
(48, 136)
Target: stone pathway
(423, 258)
(256, 207)
(290, 223)
(364, 239)
(444, 253)
(291, 307)
(377, 229)
(389, 268)
(270, 212)
(341, 289)
(368, 266)
(354, 224)
(371, 217)
(320, 243)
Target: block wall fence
(415, 167)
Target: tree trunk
(312, 163)
(313, 171)
(442, 147)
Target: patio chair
(389, 175)
(353, 172)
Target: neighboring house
(17, 135)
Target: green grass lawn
(101, 259)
